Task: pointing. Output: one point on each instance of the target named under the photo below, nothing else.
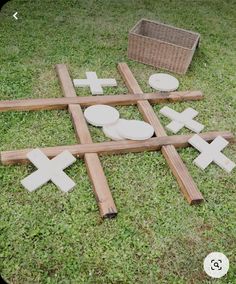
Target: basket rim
(162, 41)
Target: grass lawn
(50, 237)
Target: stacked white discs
(134, 129)
(129, 129)
(117, 129)
(101, 115)
(163, 82)
(111, 131)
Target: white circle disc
(135, 129)
(216, 264)
(100, 115)
(111, 131)
(163, 82)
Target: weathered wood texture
(113, 147)
(62, 103)
(180, 171)
(95, 171)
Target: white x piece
(179, 120)
(49, 170)
(211, 153)
(94, 83)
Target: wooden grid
(90, 151)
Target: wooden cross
(90, 151)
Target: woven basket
(162, 45)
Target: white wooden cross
(211, 153)
(49, 170)
(94, 83)
(182, 119)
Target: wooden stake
(180, 171)
(100, 186)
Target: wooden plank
(180, 171)
(80, 125)
(113, 147)
(62, 103)
(101, 189)
(65, 81)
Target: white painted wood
(163, 82)
(101, 115)
(135, 129)
(111, 131)
(179, 120)
(49, 170)
(211, 153)
(94, 83)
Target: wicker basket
(162, 45)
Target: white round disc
(135, 129)
(100, 115)
(111, 131)
(163, 82)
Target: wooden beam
(62, 103)
(113, 147)
(101, 189)
(180, 171)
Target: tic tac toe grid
(90, 151)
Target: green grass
(50, 237)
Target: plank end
(110, 213)
(196, 201)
